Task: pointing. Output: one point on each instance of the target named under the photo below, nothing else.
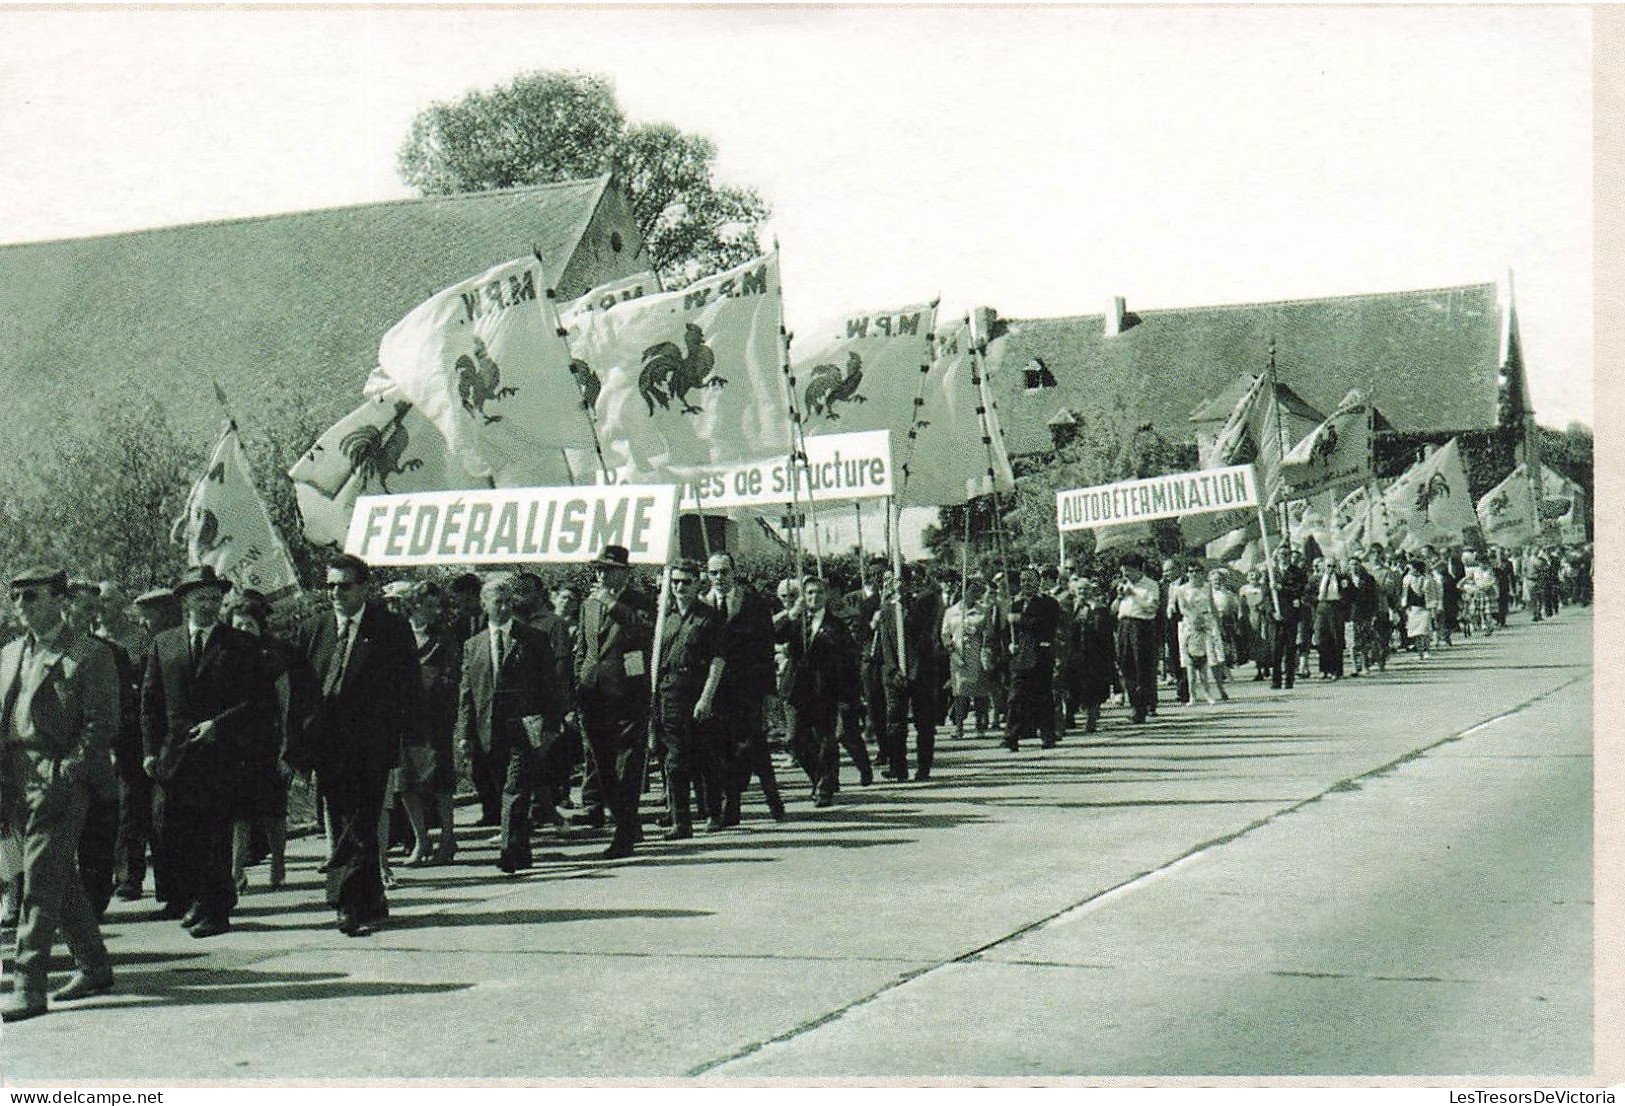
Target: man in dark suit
(819, 685)
(203, 696)
(747, 681)
(361, 663)
(857, 610)
(507, 706)
(909, 678)
(1290, 584)
(1035, 617)
(59, 703)
(612, 689)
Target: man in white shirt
(1138, 599)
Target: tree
(560, 125)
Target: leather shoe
(169, 912)
(585, 818)
(713, 824)
(777, 814)
(127, 892)
(83, 985)
(193, 915)
(351, 926)
(512, 865)
(679, 833)
(211, 927)
(618, 850)
(823, 801)
(21, 1008)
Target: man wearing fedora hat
(204, 695)
(58, 704)
(612, 688)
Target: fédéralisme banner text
(1169, 496)
(498, 525)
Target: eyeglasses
(26, 595)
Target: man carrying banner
(691, 668)
(612, 689)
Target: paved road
(1388, 875)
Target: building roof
(280, 309)
(1428, 359)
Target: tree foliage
(560, 125)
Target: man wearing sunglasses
(360, 670)
(59, 701)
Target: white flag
(1506, 513)
(226, 524)
(1429, 504)
(688, 379)
(959, 452)
(385, 445)
(485, 361)
(1336, 455)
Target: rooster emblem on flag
(670, 373)
(479, 381)
(375, 453)
(1435, 487)
(1325, 445)
(828, 387)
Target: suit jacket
(355, 724)
(229, 686)
(747, 646)
(516, 704)
(609, 634)
(821, 676)
(73, 702)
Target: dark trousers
(512, 759)
(1032, 703)
(134, 831)
(1174, 662)
(1329, 635)
(98, 849)
(195, 841)
(743, 743)
(53, 897)
(488, 780)
(1137, 663)
(874, 705)
(688, 757)
(813, 742)
(1284, 656)
(894, 703)
(850, 738)
(355, 881)
(615, 732)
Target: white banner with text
(499, 525)
(1169, 496)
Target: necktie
(197, 648)
(501, 645)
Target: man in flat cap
(203, 699)
(156, 611)
(58, 705)
(691, 667)
(612, 688)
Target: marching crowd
(169, 741)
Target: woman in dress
(1192, 600)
